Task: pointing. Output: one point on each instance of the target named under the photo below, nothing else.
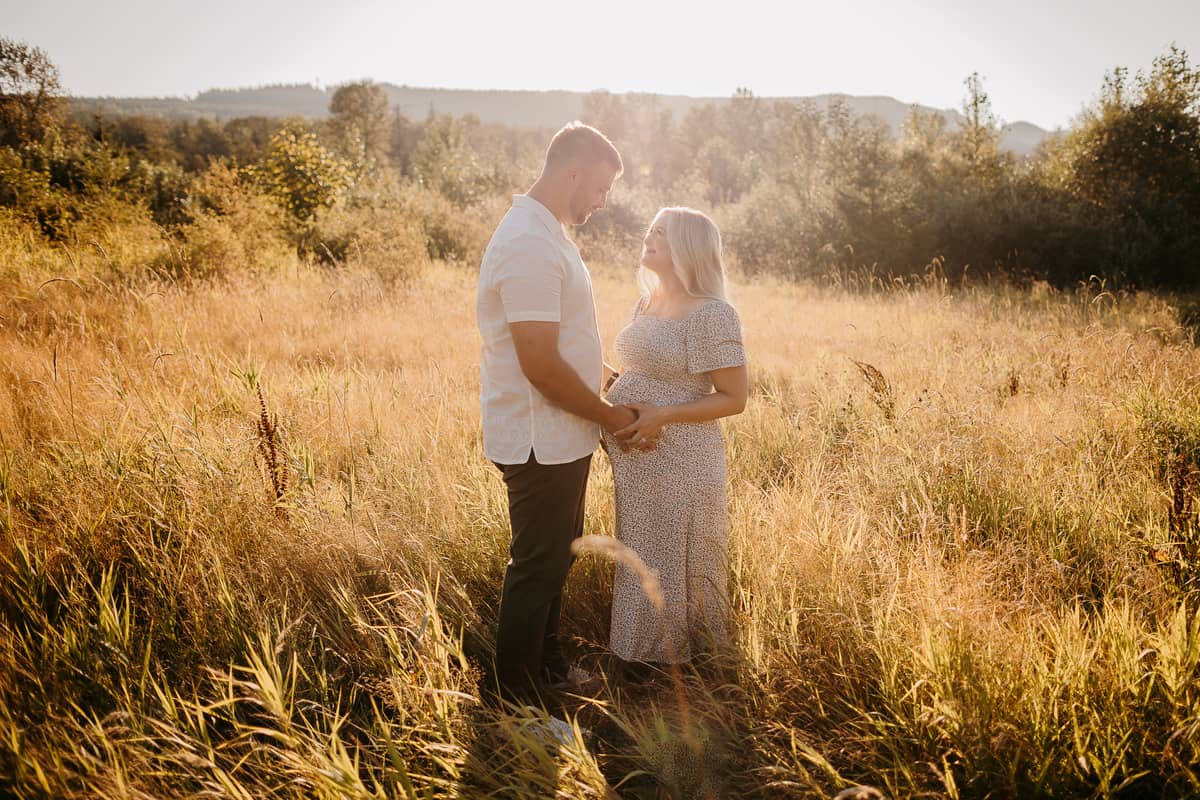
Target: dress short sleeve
(714, 338)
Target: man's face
(592, 185)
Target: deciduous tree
(31, 102)
(362, 122)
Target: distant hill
(519, 108)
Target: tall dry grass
(967, 571)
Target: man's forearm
(562, 386)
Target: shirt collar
(542, 214)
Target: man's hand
(627, 435)
(644, 432)
(616, 418)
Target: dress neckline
(684, 319)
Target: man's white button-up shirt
(532, 272)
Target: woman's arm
(731, 389)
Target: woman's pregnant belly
(637, 387)
(690, 447)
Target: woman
(683, 367)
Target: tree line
(799, 191)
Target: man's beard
(580, 216)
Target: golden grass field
(958, 575)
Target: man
(541, 373)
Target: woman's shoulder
(714, 338)
(714, 310)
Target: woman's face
(656, 253)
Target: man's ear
(573, 173)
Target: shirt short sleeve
(529, 278)
(714, 338)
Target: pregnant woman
(683, 367)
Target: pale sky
(1041, 60)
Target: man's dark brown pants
(545, 507)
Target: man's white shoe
(578, 679)
(553, 730)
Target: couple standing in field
(549, 398)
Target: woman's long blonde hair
(695, 244)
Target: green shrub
(300, 174)
(164, 188)
(773, 230)
(59, 184)
(1134, 161)
(388, 242)
(232, 227)
(451, 233)
(21, 187)
(447, 161)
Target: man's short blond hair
(578, 142)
